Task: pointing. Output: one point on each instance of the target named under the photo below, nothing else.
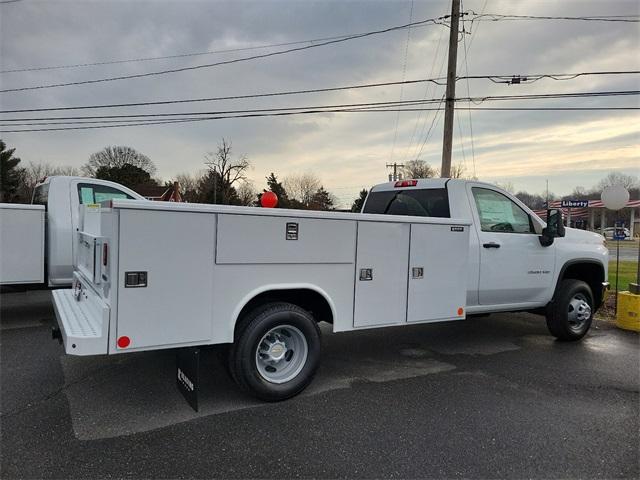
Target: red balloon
(269, 200)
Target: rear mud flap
(188, 374)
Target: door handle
(491, 245)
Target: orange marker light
(460, 311)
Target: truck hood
(575, 235)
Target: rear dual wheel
(276, 351)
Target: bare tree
(458, 171)
(247, 194)
(117, 157)
(302, 187)
(36, 172)
(227, 170)
(532, 200)
(419, 169)
(189, 186)
(616, 178)
(507, 186)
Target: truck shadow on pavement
(118, 395)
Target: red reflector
(460, 311)
(105, 252)
(124, 341)
(405, 183)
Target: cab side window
(500, 214)
(88, 193)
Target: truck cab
(512, 265)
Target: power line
(215, 99)
(435, 81)
(153, 121)
(404, 72)
(494, 17)
(278, 114)
(168, 57)
(466, 64)
(434, 21)
(480, 17)
(225, 112)
(426, 93)
(433, 123)
(475, 100)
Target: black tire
(243, 361)
(566, 315)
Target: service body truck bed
(179, 275)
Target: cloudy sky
(347, 151)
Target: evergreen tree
(322, 200)
(11, 176)
(276, 187)
(213, 190)
(358, 203)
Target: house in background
(160, 193)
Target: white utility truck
(38, 241)
(157, 275)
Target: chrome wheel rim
(281, 354)
(578, 312)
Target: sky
(347, 151)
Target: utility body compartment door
(437, 272)
(381, 274)
(21, 244)
(175, 253)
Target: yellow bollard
(628, 315)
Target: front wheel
(276, 351)
(569, 316)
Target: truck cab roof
(425, 183)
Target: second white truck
(38, 242)
(155, 276)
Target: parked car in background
(610, 232)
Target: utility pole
(445, 169)
(396, 175)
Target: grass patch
(627, 273)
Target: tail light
(405, 183)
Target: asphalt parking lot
(482, 398)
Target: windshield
(433, 202)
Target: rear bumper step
(83, 324)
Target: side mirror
(555, 227)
